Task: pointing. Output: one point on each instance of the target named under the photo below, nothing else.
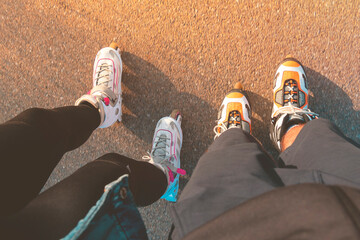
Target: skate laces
(160, 156)
(219, 129)
(291, 92)
(159, 150)
(234, 121)
(234, 118)
(103, 74)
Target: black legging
(31, 145)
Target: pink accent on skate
(107, 101)
(171, 175)
(181, 171)
(89, 92)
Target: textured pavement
(177, 54)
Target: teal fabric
(115, 216)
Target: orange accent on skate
(235, 95)
(291, 75)
(231, 107)
(234, 106)
(291, 64)
(296, 77)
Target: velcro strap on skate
(286, 117)
(104, 90)
(177, 170)
(174, 169)
(294, 110)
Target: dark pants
(236, 169)
(32, 144)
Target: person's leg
(234, 169)
(31, 145)
(320, 145)
(305, 141)
(56, 211)
(289, 137)
(33, 142)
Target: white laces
(159, 150)
(103, 74)
(222, 127)
(159, 154)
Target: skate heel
(176, 114)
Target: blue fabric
(115, 216)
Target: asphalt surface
(177, 54)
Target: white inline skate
(165, 152)
(106, 92)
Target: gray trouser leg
(320, 146)
(236, 169)
(233, 170)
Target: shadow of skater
(261, 113)
(149, 95)
(332, 103)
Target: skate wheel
(175, 114)
(238, 85)
(114, 45)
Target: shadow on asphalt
(332, 103)
(260, 125)
(149, 95)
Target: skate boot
(290, 94)
(165, 152)
(106, 92)
(235, 111)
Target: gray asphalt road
(177, 54)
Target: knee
(33, 116)
(114, 158)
